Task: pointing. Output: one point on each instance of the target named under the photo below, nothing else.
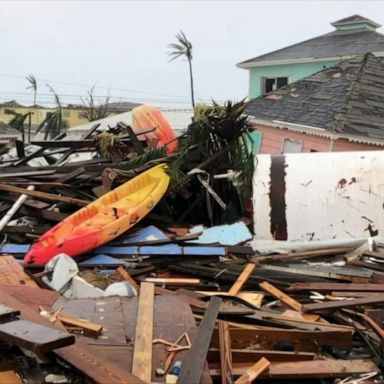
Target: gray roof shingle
(347, 98)
(333, 44)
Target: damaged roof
(353, 35)
(346, 98)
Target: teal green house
(352, 36)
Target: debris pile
(145, 284)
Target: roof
(354, 20)
(347, 98)
(333, 45)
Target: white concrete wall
(336, 195)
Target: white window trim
(294, 141)
(263, 78)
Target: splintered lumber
(35, 337)
(316, 369)
(297, 287)
(236, 287)
(89, 328)
(253, 372)
(288, 301)
(88, 361)
(142, 352)
(250, 356)
(15, 207)
(225, 353)
(12, 273)
(44, 195)
(172, 281)
(9, 377)
(128, 278)
(303, 255)
(194, 365)
(343, 303)
(299, 340)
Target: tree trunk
(191, 79)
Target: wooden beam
(128, 278)
(172, 281)
(44, 195)
(253, 372)
(142, 352)
(297, 287)
(9, 377)
(298, 340)
(194, 365)
(236, 287)
(250, 356)
(225, 353)
(89, 328)
(343, 303)
(316, 369)
(303, 255)
(288, 301)
(35, 337)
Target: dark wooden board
(272, 338)
(193, 367)
(343, 303)
(7, 313)
(35, 337)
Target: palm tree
(33, 85)
(183, 47)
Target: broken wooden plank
(297, 287)
(236, 287)
(253, 372)
(90, 362)
(142, 353)
(287, 300)
(225, 353)
(250, 356)
(362, 276)
(12, 273)
(35, 337)
(343, 303)
(313, 369)
(278, 338)
(89, 328)
(128, 278)
(193, 367)
(172, 281)
(303, 255)
(9, 377)
(44, 195)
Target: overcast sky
(121, 46)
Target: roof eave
(255, 64)
(316, 131)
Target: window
(273, 83)
(291, 146)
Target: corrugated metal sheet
(319, 196)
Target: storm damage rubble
(147, 270)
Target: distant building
(353, 35)
(73, 114)
(8, 134)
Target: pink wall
(272, 141)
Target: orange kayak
(102, 220)
(146, 117)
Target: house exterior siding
(272, 141)
(294, 72)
